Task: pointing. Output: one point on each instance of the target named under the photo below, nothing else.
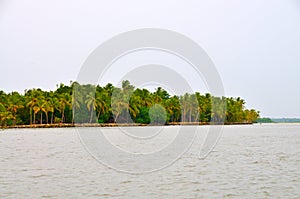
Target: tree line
(109, 104)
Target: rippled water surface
(258, 161)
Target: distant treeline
(264, 120)
(278, 120)
(286, 120)
(110, 104)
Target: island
(95, 105)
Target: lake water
(255, 161)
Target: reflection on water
(259, 161)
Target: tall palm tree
(101, 103)
(185, 104)
(194, 108)
(119, 103)
(63, 101)
(91, 104)
(52, 104)
(41, 107)
(75, 106)
(134, 106)
(31, 103)
(173, 108)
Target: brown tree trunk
(30, 113)
(91, 117)
(63, 115)
(52, 117)
(46, 117)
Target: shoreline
(69, 125)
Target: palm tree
(63, 102)
(91, 104)
(185, 104)
(14, 103)
(194, 108)
(4, 116)
(173, 108)
(145, 98)
(41, 107)
(101, 103)
(52, 104)
(31, 103)
(121, 103)
(75, 105)
(13, 108)
(134, 105)
(118, 103)
(218, 109)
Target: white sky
(254, 44)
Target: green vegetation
(110, 104)
(264, 120)
(278, 120)
(286, 120)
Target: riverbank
(68, 125)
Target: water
(258, 161)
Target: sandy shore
(67, 125)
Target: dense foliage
(110, 104)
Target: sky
(255, 45)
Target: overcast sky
(254, 44)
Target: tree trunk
(15, 118)
(183, 114)
(196, 118)
(116, 117)
(33, 118)
(46, 117)
(98, 115)
(91, 118)
(30, 113)
(73, 116)
(63, 115)
(41, 117)
(52, 117)
(190, 114)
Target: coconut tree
(194, 108)
(173, 109)
(13, 108)
(14, 102)
(251, 115)
(218, 109)
(4, 115)
(75, 106)
(185, 104)
(101, 102)
(32, 101)
(64, 100)
(145, 98)
(41, 107)
(52, 105)
(119, 103)
(134, 105)
(91, 104)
